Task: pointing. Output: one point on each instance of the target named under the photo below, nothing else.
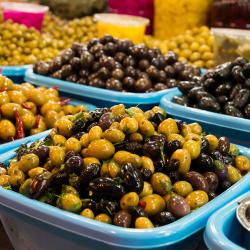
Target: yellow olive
(193, 147)
(115, 125)
(213, 142)
(197, 199)
(87, 213)
(17, 97)
(157, 109)
(129, 125)
(28, 121)
(118, 109)
(50, 105)
(143, 222)
(182, 188)
(28, 161)
(4, 98)
(7, 130)
(136, 137)
(69, 190)
(194, 137)
(37, 97)
(100, 148)
(147, 190)
(110, 169)
(95, 133)
(24, 189)
(4, 180)
(32, 107)
(70, 202)
(176, 137)
(129, 200)
(184, 159)
(168, 126)
(114, 135)
(17, 178)
(58, 140)
(89, 160)
(51, 117)
(154, 204)
(161, 183)
(36, 171)
(72, 144)
(56, 155)
(85, 140)
(148, 164)
(103, 218)
(69, 109)
(8, 110)
(195, 128)
(233, 174)
(64, 126)
(185, 130)
(123, 157)
(146, 128)
(242, 163)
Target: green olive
(161, 183)
(154, 204)
(233, 174)
(147, 190)
(195, 128)
(28, 162)
(8, 110)
(56, 155)
(24, 189)
(146, 128)
(85, 140)
(185, 130)
(129, 200)
(193, 147)
(118, 110)
(17, 178)
(197, 199)
(103, 218)
(114, 135)
(213, 142)
(182, 188)
(176, 137)
(69, 202)
(51, 105)
(148, 164)
(4, 180)
(168, 126)
(143, 222)
(182, 156)
(110, 169)
(4, 98)
(7, 130)
(58, 140)
(17, 96)
(129, 125)
(136, 137)
(123, 157)
(28, 120)
(95, 133)
(72, 144)
(242, 163)
(89, 160)
(192, 136)
(87, 213)
(101, 149)
(64, 126)
(67, 189)
(36, 171)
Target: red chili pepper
(19, 126)
(26, 106)
(37, 121)
(3, 89)
(65, 101)
(55, 87)
(142, 204)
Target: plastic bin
(23, 217)
(237, 129)
(14, 144)
(223, 230)
(15, 73)
(122, 26)
(28, 14)
(98, 96)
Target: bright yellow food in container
(122, 26)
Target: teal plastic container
(15, 73)
(100, 97)
(31, 224)
(223, 230)
(237, 129)
(14, 144)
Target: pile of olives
(26, 110)
(194, 46)
(126, 167)
(117, 65)
(224, 89)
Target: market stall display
(224, 89)
(126, 167)
(27, 110)
(195, 46)
(118, 65)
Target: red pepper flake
(3, 89)
(19, 126)
(64, 101)
(142, 204)
(26, 106)
(38, 119)
(55, 87)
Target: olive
(193, 148)
(197, 199)
(212, 180)
(182, 188)
(247, 83)
(164, 218)
(122, 219)
(241, 98)
(128, 83)
(24, 189)
(197, 181)
(143, 64)
(161, 183)
(221, 170)
(178, 206)
(28, 162)
(242, 163)
(213, 142)
(233, 111)
(168, 126)
(186, 86)
(152, 149)
(73, 164)
(224, 185)
(57, 155)
(204, 145)
(143, 222)
(114, 84)
(237, 74)
(154, 204)
(233, 174)
(123, 157)
(87, 213)
(223, 89)
(103, 218)
(223, 145)
(247, 111)
(136, 212)
(235, 90)
(209, 104)
(203, 163)
(128, 200)
(183, 159)
(142, 84)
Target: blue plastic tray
(101, 97)
(223, 231)
(15, 73)
(23, 217)
(14, 144)
(237, 129)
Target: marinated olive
(178, 206)
(161, 183)
(182, 188)
(103, 218)
(87, 213)
(182, 156)
(197, 199)
(128, 200)
(28, 162)
(197, 181)
(143, 222)
(122, 219)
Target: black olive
(224, 185)
(193, 92)
(159, 62)
(241, 98)
(107, 207)
(172, 83)
(60, 178)
(217, 155)
(78, 126)
(170, 71)
(160, 86)
(136, 212)
(222, 99)
(162, 76)
(106, 120)
(174, 176)
(223, 89)
(103, 73)
(164, 218)
(203, 163)
(157, 118)
(171, 58)
(153, 72)
(134, 147)
(143, 84)
(119, 56)
(186, 86)
(246, 70)
(42, 152)
(160, 166)
(130, 71)
(143, 64)
(178, 67)
(98, 83)
(124, 45)
(69, 154)
(73, 165)
(213, 181)
(129, 61)
(114, 84)
(118, 74)
(110, 48)
(210, 84)
(247, 83)
(122, 219)
(222, 72)
(247, 111)
(128, 83)
(152, 149)
(237, 74)
(146, 174)
(42, 68)
(204, 144)
(107, 39)
(240, 61)
(87, 59)
(67, 55)
(209, 104)
(139, 51)
(211, 195)
(224, 145)
(181, 100)
(172, 146)
(233, 111)
(72, 78)
(22, 150)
